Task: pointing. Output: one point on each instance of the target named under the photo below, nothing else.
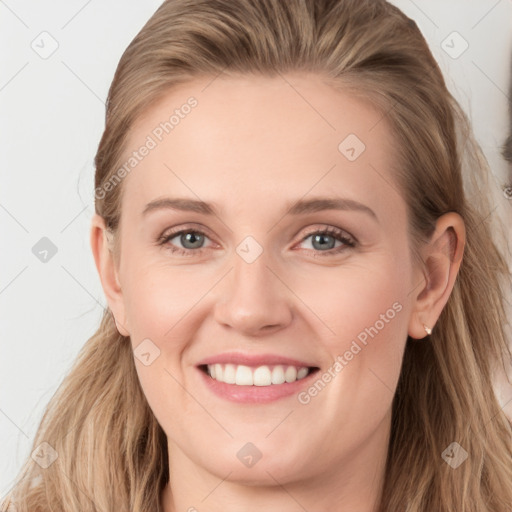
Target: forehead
(273, 139)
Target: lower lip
(255, 394)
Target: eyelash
(335, 232)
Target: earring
(428, 330)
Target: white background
(51, 123)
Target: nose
(254, 299)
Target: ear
(102, 249)
(442, 258)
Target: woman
(257, 368)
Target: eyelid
(196, 228)
(332, 230)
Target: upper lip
(253, 360)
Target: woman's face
(267, 272)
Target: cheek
(351, 300)
(159, 297)
(365, 314)
(162, 304)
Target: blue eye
(320, 236)
(192, 240)
(186, 236)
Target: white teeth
(302, 373)
(262, 376)
(229, 375)
(278, 375)
(290, 374)
(242, 375)
(218, 372)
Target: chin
(264, 471)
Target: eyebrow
(300, 207)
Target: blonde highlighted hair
(112, 453)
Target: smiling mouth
(265, 375)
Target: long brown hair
(112, 453)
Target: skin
(253, 146)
